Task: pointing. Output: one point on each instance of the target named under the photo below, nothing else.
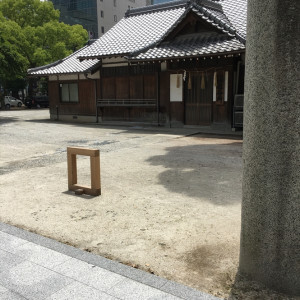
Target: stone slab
(32, 281)
(80, 291)
(10, 242)
(40, 240)
(3, 289)
(40, 255)
(9, 295)
(8, 260)
(92, 275)
(115, 272)
(129, 289)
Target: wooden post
(72, 169)
(94, 154)
(95, 173)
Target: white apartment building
(109, 12)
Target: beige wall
(114, 11)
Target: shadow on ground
(83, 196)
(244, 288)
(6, 120)
(145, 129)
(211, 172)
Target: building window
(115, 18)
(69, 92)
(115, 3)
(102, 14)
(102, 29)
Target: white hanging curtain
(215, 87)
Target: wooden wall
(53, 94)
(86, 94)
(222, 113)
(87, 97)
(145, 86)
(129, 87)
(197, 107)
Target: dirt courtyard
(170, 203)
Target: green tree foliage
(53, 41)
(12, 63)
(31, 35)
(31, 13)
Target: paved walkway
(35, 267)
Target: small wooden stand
(95, 189)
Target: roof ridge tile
(156, 8)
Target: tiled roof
(136, 31)
(214, 17)
(142, 35)
(236, 12)
(144, 29)
(209, 43)
(193, 45)
(67, 65)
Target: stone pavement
(35, 267)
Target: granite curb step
(139, 276)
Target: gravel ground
(170, 200)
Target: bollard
(95, 189)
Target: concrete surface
(34, 267)
(270, 238)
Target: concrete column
(270, 236)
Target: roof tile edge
(156, 7)
(211, 4)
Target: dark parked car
(37, 101)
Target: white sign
(176, 85)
